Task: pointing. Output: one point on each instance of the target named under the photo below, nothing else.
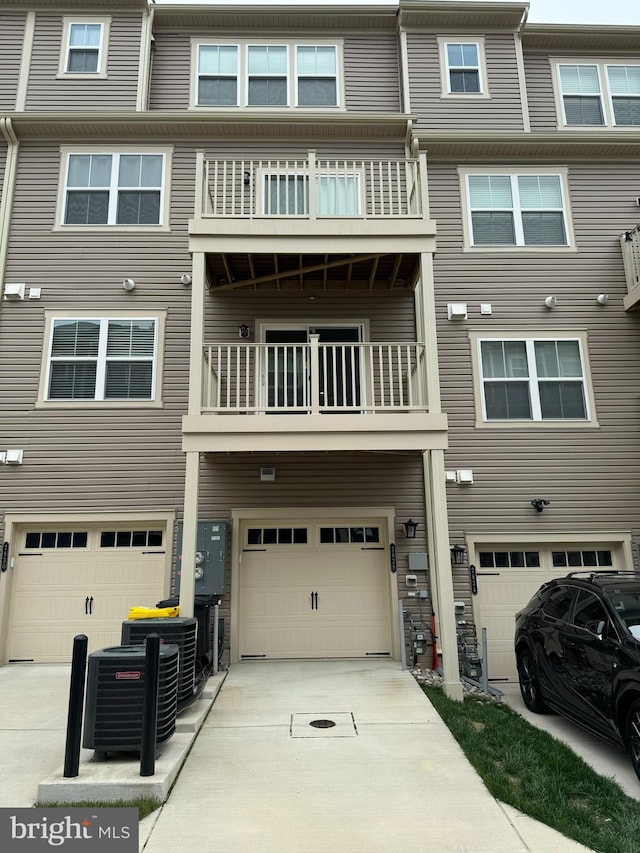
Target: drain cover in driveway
(341, 724)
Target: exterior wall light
(457, 555)
(410, 528)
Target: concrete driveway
(387, 776)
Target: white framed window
(114, 188)
(598, 94)
(265, 75)
(533, 379)
(507, 208)
(84, 47)
(463, 67)
(112, 359)
(287, 194)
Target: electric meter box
(211, 553)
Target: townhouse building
(334, 306)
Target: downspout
(144, 67)
(8, 192)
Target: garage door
(506, 581)
(314, 590)
(69, 581)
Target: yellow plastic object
(153, 612)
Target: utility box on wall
(211, 552)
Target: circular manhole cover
(322, 724)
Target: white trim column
(441, 577)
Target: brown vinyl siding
(501, 111)
(117, 92)
(590, 475)
(542, 109)
(12, 25)
(371, 79)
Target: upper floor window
(102, 359)
(529, 379)
(84, 50)
(114, 188)
(266, 75)
(599, 94)
(463, 67)
(507, 209)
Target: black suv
(577, 647)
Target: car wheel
(529, 685)
(633, 735)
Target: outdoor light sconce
(539, 504)
(410, 528)
(246, 178)
(457, 555)
(244, 331)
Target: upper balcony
(630, 242)
(254, 199)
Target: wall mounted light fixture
(128, 284)
(457, 555)
(185, 279)
(410, 528)
(602, 298)
(539, 504)
(244, 331)
(550, 301)
(246, 178)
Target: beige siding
(371, 81)
(589, 475)
(12, 25)
(542, 110)
(501, 111)
(117, 92)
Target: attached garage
(310, 589)
(70, 579)
(507, 577)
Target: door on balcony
(289, 380)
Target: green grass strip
(541, 776)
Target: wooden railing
(311, 188)
(630, 242)
(314, 378)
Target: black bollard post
(76, 704)
(150, 706)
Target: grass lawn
(540, 776)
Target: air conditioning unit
(115, 698)
(179, 630)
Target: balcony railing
(314, 378)
(311, 188)
(630, 242)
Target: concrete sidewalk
(387, 777)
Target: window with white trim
(247, 74)
(84, 47)
(599, 94)
(533, 379)
(116, 188)
(462, 67)
(101, 359)
(516, 209)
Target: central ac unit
(115, 698)
(180, 630)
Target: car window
(627, 606)
(589, 612)
(558, 603)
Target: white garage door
(506, 581)
(69, 581)
(314, 590)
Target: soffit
(309, 17)
(538, 146)
(311, 273)
(471, 16)
(132, 126)
(589, 39)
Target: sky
(540, 11)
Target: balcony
(240, 202)
(630, 242)
(377, 394)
